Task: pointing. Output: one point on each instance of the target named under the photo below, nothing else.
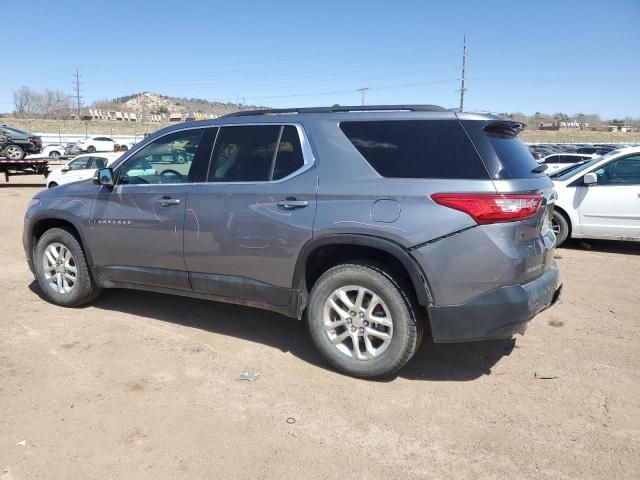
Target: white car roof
(570, 155)
(110, 156)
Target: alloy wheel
(60, 268)
(358, 322)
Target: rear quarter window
(416, 148)
(513, 155)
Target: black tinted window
(514, 156)
(552, 159)
(289, 157)
(416, 148)
(244, 154)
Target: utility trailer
(36, 166)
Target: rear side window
(513, 155)
(253, 153)
(416, 148)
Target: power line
(76, 87)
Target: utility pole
(76, 87)
(363, 93)
(464, 63)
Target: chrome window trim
(307, 154)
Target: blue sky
(548, 56)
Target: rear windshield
(513, 155)
(416, 148)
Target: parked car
(558, 161)
(83, 167)
(54, 150)
(16, 144)
(593, 150)
(368, 222)
(600, 199)
(96, 144)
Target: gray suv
(373, 224)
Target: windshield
(579, 167)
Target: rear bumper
(497, 314)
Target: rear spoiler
(504, 127)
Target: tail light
(491, 208)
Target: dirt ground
(142, 385)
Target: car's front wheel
(362, 321)
(52, 185)
(54, 155)
(91, 149)
(62, 271)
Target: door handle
(292, 203)
(168, 202)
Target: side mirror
(590, 179)
(66, 168)
(103, 176)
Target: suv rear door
(246, 225)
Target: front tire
(52, 185)
(560, 226)
(91, 149)
(362, 322)
(54, 155)
(62, 271)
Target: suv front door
(137, 227)
(245, 226)
(611, 207)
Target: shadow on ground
(433, 362)
(605, 246)
(20, 185)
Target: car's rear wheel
(14, 152)
(52, 184)
(91, 149)
(61, 269)
(560, 226)
(362, 321)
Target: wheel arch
(342, 247)
(43, 222)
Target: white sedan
(53, 150)
(96, 144)
(84, 166)
(558, 161)
(599, 199)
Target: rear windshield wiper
(540, 168)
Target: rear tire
(561, 227)
(62, 271)
(14, 152)
(362, 321)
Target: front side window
(168, 159)
(625, 171)
(253, 154)
(79, 163)
(552, 159)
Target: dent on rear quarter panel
(484, 258)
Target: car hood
(82, 187)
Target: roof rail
(335, 109)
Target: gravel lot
(142, 385)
